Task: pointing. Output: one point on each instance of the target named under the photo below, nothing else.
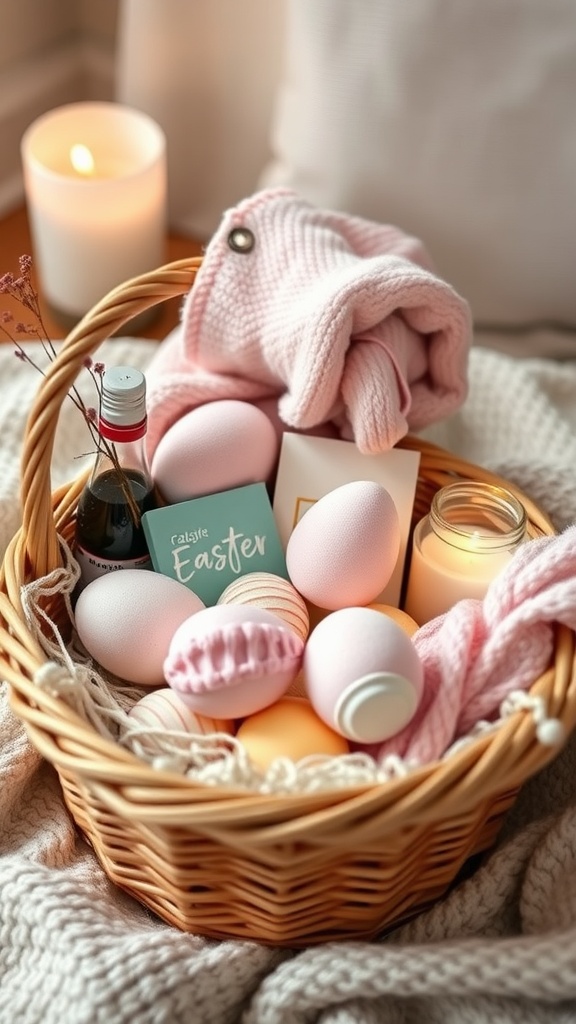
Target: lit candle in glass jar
(95, 180)
(469, 536)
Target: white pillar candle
(470, 535)
(95, 181)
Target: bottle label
(93, 566)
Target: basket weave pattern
(283, 869)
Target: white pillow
(455, 120)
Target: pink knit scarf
(480, 651)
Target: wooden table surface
(15, 241)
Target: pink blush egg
(163, 709)
(344, 549)
(233, 660)
(126, 620)
(215, 447)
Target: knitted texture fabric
(479, 652)
(498, 948)
(342, 319)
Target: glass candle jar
(469, 535)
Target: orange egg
(289, 728)
(405, 621)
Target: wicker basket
(286, 870)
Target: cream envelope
(310, 467)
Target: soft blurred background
(452, 119)
(51, 52)
(205, 70)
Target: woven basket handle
(39, 542)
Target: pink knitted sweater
(340, 318)
(480, 652)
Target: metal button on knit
(241, 240)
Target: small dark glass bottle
(109, 534)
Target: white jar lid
(375, 707)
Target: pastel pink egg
(344, 549)
(163, 709)
(362, 674)
(232, 660)
(275, 594)
(215, 447)
(126, 620)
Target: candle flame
(82, 160)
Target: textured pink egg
(126, 620)
(232, 660)
(362, 674)
(344, 549)
(215, 447)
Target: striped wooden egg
(163, 709)
(272, 593)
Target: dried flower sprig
(23, 291)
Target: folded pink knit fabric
(480, 651)
(342, 319)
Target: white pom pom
(54, 679)
(551, 732)
(168, 763)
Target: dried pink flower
(23, 291)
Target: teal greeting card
(207, 542)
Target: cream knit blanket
(501, 948)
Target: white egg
(362, 674)
(126, 620)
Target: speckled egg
(126, 620)
(275, 594)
